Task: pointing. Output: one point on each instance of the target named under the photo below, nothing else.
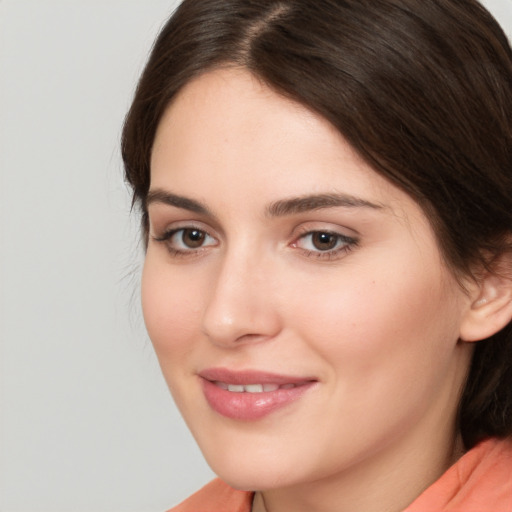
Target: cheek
(378, 322)
(388, 342)
(171, 309)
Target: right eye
(186, 240)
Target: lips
(251, 395)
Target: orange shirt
(480, 481)
(216, 497)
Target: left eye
(323, 241)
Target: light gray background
(86, 422)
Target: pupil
(324, 241)
(193, 238)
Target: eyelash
(347, 243)
(167, 236)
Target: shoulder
(479, 481)
(216, 496)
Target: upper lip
(250, 377)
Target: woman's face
(298, 303)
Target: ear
(490, 303)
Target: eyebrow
(162, 196)
(279, 208)
(318, 202)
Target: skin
(376, 321)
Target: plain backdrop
(86, 421)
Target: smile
(251, 395)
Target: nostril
(250, 338)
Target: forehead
(224, 106)
(227, 136)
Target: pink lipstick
(251, 395)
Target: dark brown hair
(422, 89)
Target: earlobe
(490, 310)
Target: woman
(326, 198)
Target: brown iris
(324, 241)
(193, 238)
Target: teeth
(252, 388)
(235, 388)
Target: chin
(257, 479)
(255, 470)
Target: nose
(241, 307)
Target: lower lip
(250, 406)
